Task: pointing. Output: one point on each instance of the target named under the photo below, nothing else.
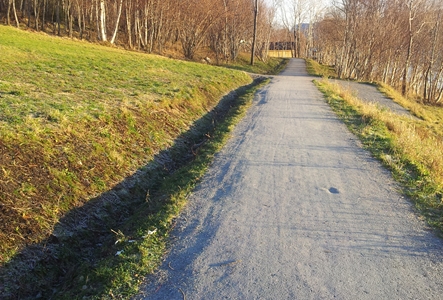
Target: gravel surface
(370, 93)
(293, 208)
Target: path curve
(370, 93)
(293, 208)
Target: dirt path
(293, 208)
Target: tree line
(223, 26)
(398, 42)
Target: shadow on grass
(82, 255)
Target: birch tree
(148, 25)
(415, 24)
(101, 8)
(293, 16)
(117, 21)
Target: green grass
(71, 112)
(316, 69)
(143, 245)
(95, 145)
(410, 148)
(272, 66)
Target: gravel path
(293, 208)
(370, 93)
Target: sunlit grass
(272, 66)
(77, 120)
(74, 111)
(432, 116)
(316, 69)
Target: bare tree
(394, 41)
(148, 25)
(117, 21)
(196, 18)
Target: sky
(285, 7)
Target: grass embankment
(316, 69)
(411, 148)
(431, 116)
(80, 125)
(272, 66)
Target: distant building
(281, 45)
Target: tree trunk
(299, 36)
(128, 22)
(152, 32)
(138, 30)
(28, 10)
(117, 22)
(17, 23)
(254, 35)
(429, 74)
(36, 13)
(296, 41)
(97, 19)
(43, 15)
(407, 64)
(69, 18)
(102, 22)
(58, 17)
(8, 14)
(80, 20)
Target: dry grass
(432, 116)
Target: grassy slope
(316, 69)
(76, 120)
(431, 116)
(272, 66)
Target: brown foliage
(147, 25)
(394, 42)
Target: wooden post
(254, 36)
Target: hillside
(78, 119)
